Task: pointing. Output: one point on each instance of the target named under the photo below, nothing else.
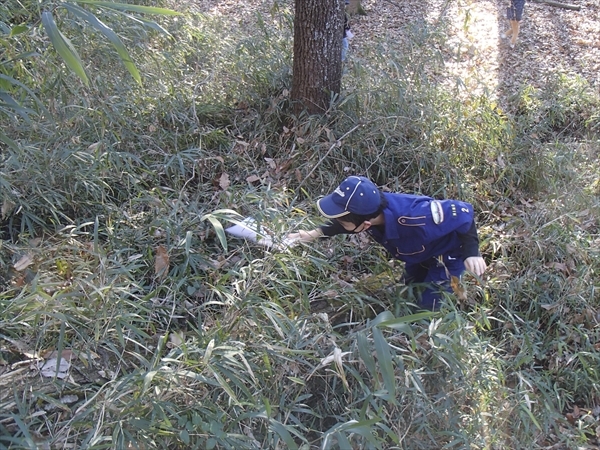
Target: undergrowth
(111, 252)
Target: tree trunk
(317, 69)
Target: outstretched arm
(305, 235)
(331, 228)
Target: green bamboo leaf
(384, 358)
(12, 81)
(223, 214)
(111, 35)
(284, 434)
(381, 317)
(64, 47)
(397, 322)
(146, 23)
(223, 383)
(61, 345)
(342, 440)
(364, 428)
(185, 436)
(23, 55)
(7, 102)
(8, 141)
(148, 379)
(18, 30)
(219, 230)
(356, 425)
(531, 416)
(235, 379)
(365, 353)
(131, 7)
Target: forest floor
(551, 39)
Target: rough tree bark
(317, 68)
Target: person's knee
(431, 299)
(430, 303)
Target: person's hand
(305, 236)
(476, 265)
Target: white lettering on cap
(352, 195)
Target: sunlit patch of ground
(474, 41)
(551, 40)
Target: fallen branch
(559, 5)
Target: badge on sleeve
(437, 212)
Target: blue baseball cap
(357, 195)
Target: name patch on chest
(437, 212)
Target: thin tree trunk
(317, 68)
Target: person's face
(349, 226)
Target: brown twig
(559, 5)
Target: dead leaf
(239, 147)
(62, 402)
(48, 368)
(458, 288)
(558, 266)
(93, 147)
(224, 181)
(35, 242)
(501, 162)
(7, 207)
(253, 178)
(23, 263)
(285, 166)
(161, 262)
(65, 354)
(176, 339)
(20, 281)
(271, 162)
(548, 307)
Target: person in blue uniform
(437, 239)
(347, 35)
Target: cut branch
(559, 5)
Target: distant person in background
(514, 14)
(346, 36)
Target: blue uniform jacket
(418, 228)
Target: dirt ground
(551, 39)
